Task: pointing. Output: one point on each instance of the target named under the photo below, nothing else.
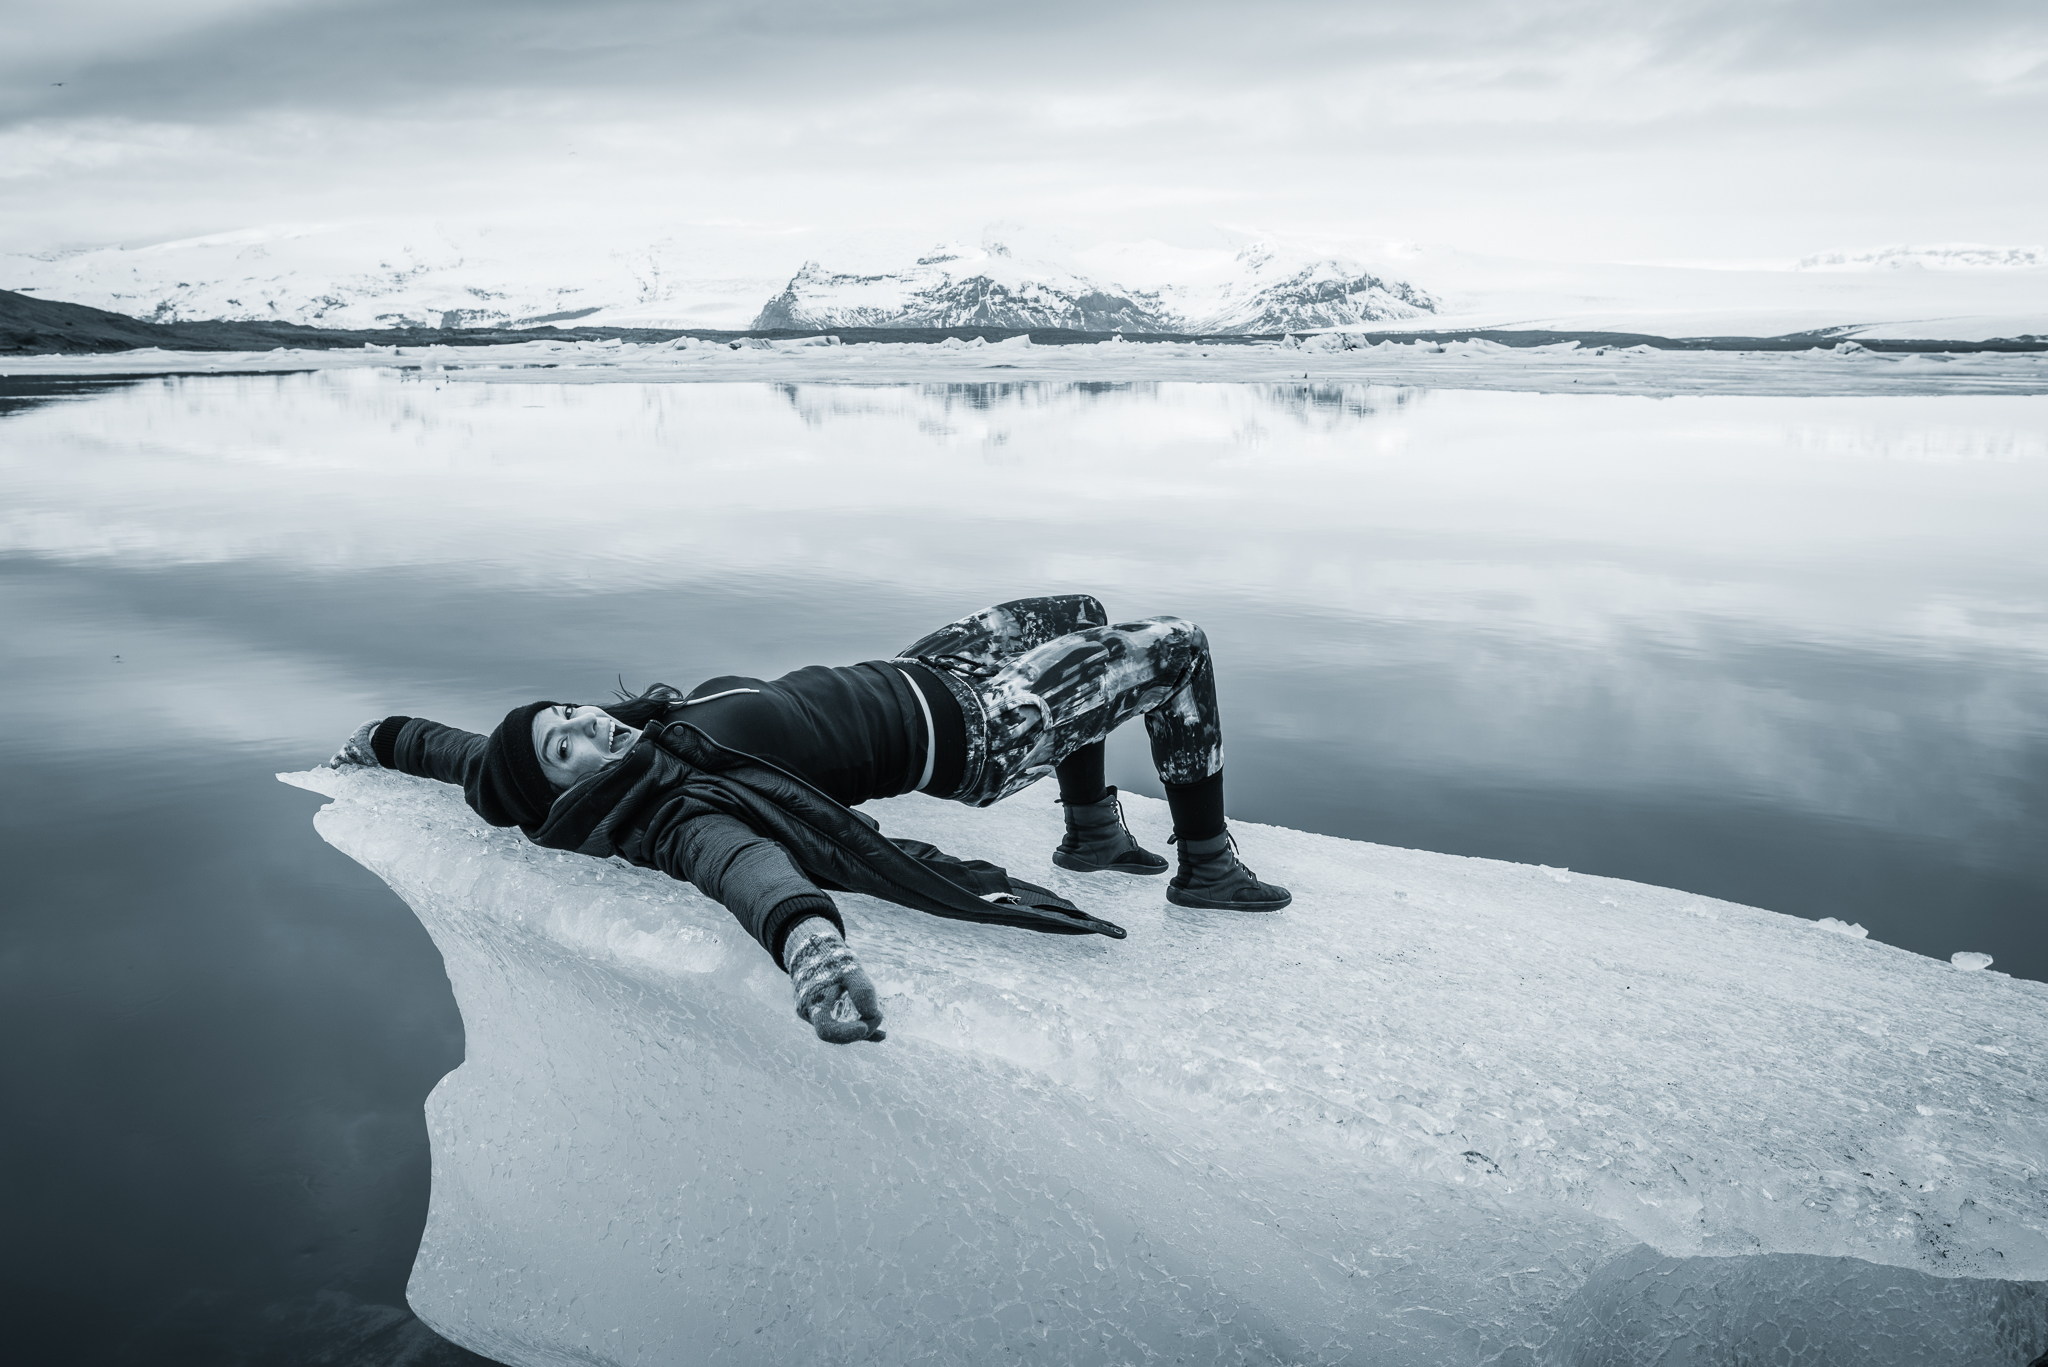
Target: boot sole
(1068, 861)
(1189, 899)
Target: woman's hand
(356, 749)
(833, 993)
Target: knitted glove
(833, 994)
(356, 749)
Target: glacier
(1443, 1110)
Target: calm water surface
(1788, 652)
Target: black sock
(1080, 776)
(1197, 808)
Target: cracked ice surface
(1442, 1110)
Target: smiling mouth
(611, 740)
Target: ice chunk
(1970, 959)
(1853, 929)
(1503, 1120)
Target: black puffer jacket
(756, 837)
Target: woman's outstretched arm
(797, 924)
(414, 745)
(751, 875)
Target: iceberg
(1442, 1111)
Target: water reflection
(1683, 600)
(1786, 651)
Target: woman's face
(575, 742)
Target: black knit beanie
(511, 789)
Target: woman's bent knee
(1180, 628)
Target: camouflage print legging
(1047, 676)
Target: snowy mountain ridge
(1950, 256)
(392, 274)
(436, 275)
(955, 286)
(1263, 290)
(398, 273)
(1274, 290)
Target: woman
(744, 787)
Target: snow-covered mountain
(399, 274)
(419, 274)
(385, 273)
(1951, 256)
(1271, 291)
(1262, 289)
(954, 286)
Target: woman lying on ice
(742, 786)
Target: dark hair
(636, 710)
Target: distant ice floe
(1970, 960)
(1853, 929)
(1844, 368)
(1442, 1111)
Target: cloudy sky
(1574, 129)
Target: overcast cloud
(1539, 127)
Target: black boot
(1213, 877)
(1098, 843)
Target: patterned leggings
(1051, 675)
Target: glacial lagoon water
(1786, 652)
